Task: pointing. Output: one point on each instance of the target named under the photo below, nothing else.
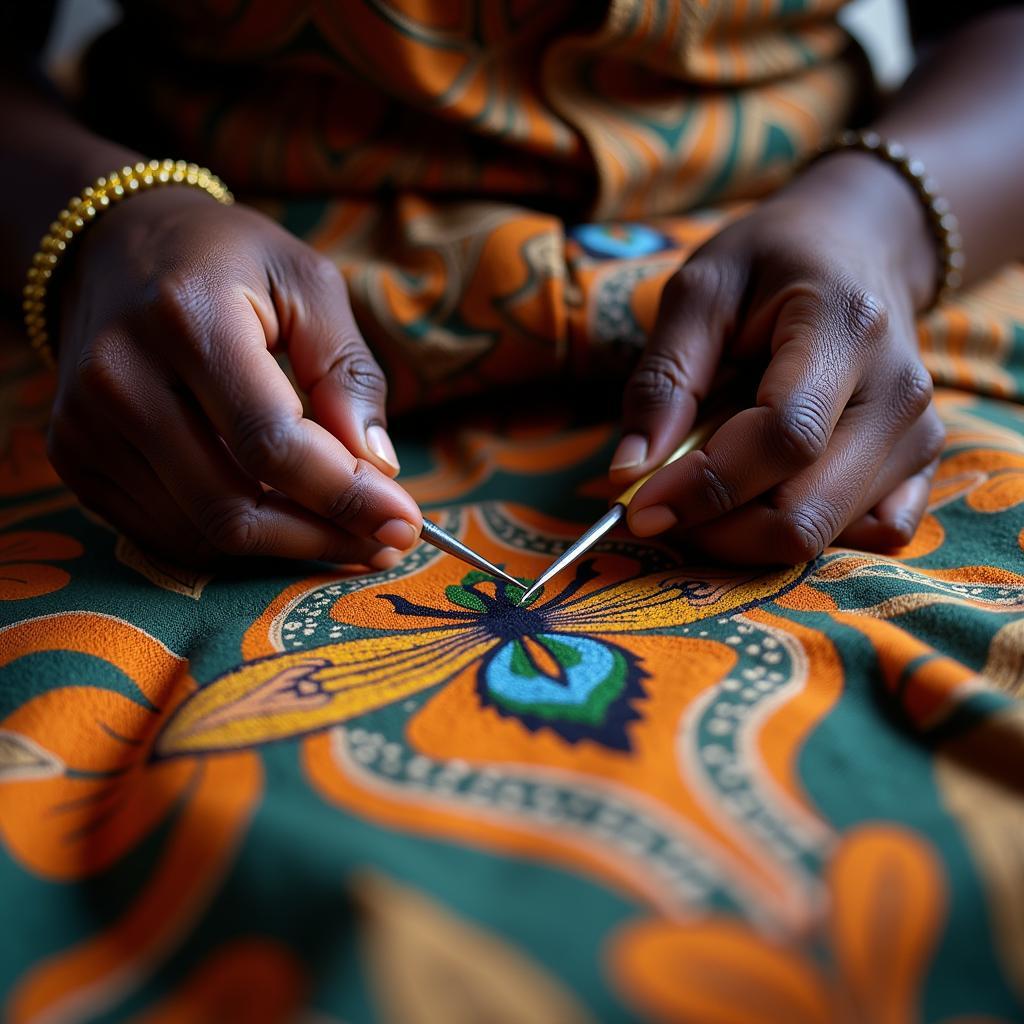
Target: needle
(444, 541)
(697, 437)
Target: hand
(173, 419)
(823, 280)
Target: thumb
(698, 310)
(334, 366)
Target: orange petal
(888, 899)
(37, 546)
(69, 825)
(158, 673)
(90, 978)
(716, 972)
(90, 729)
(998, 493)
(20, 580)
(94, 795)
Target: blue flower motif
(620, 241)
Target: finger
(334, 366)
(227, 506)
(698, 306)
(819, 350)
(235, 514)
(800, 519)
(225, 362)
(141, 508)
(134, 513)
(892, 523)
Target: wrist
(132, 223)
(881, 212)
(49, 265)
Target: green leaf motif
(464, 598)
(476, 576)
(566, 656)
(521, 664)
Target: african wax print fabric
(459, 132)
(660, 791)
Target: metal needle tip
(578, 547)
(444, 541)
(508, 579)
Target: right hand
(173, 419)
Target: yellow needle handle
(696, 438)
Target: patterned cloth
(660, 791)
(458, 141)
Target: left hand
(824, 277)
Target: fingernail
(649, 521)
(632, 451)
(396, 533)
(386, 558)
(379, 443)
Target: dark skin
(824, 279)
(173, 421)
(172, 418)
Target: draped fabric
(443, 151)
(661, 790)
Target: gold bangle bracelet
(941, 221)
(82, 210)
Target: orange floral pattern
(665, 735)
(886, 895)
(23, 569)
(661, 791)
(95, 794)
(682, 742)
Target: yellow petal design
(295, 693)
(667, 599)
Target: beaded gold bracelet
(941, 221)
(84, 208)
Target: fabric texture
(660, 791)
(443, 148)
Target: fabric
(630, 106)
(439, 144)
(661, 791)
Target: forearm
(46, 156)
(960, 114)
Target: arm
(46, 156)
(172, 417)
(825, 278)
(960, 112)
